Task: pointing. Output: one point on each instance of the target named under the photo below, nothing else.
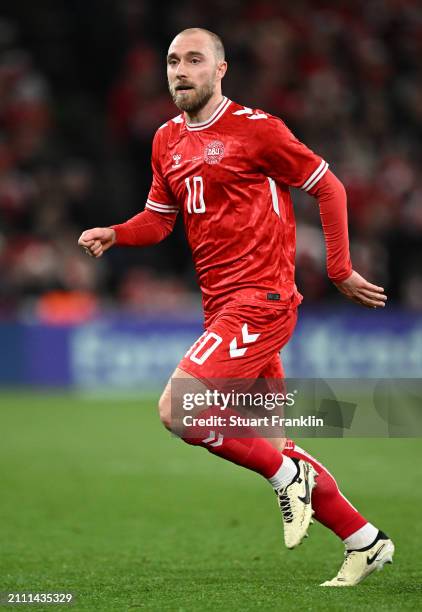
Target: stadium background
(82, 90)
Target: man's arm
(332, 201)
(144, 229)
(148, 227)
(288, 161)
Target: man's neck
(205, 112)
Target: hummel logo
(176, 158)
(370, 560)
(247, 338)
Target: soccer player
(227, 169)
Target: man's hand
(358, 289)
(97, 240)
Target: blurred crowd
(83, 88)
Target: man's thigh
(239, 347)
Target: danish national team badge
(214, 152)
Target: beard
(195, 99)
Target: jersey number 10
(196, 203)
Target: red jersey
(229, 177)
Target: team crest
(214, 152)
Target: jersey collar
(219, 112)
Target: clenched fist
(97, 240)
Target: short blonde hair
(215, 39)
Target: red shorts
(241, 342)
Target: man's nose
(181, 71)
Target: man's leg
(361, 539)
(331, 507)
(367, 548)
(219, 358)
(235, 347)
(292, 480)
(254, 453)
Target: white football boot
(358, 564)
(295, 504)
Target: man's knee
(164, 410)
(165, 401)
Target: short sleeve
(283, 157)
(159, 198)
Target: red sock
(251, 452)
(331, 508)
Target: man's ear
(221, 69)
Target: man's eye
(195, 60)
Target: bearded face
(194, 71)
(190, 97)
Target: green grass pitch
(98, 499)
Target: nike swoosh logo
(307, 498)
(370, 560)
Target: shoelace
(349, 556)
(285, 507)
